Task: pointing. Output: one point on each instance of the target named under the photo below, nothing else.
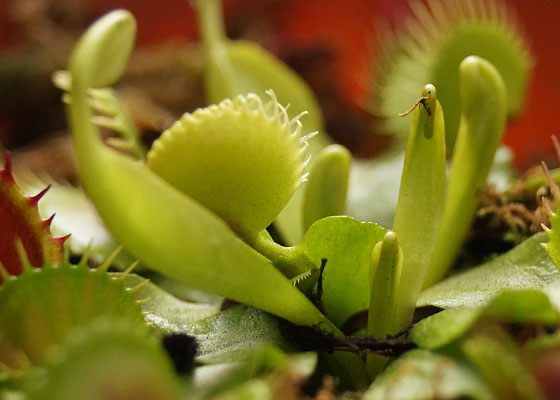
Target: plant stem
(291, 261)
(210, 22)
(219, 72)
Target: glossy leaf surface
(527, 266)
(524, 306)
(346, 243)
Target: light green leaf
(327, 185)
(524, 306)
(373, 188)
(553, 245)
(483, 117)
(231, 334)
(167, 314)
(423, 375)
(444, 327)
(346, 244)
(527, 266)
(111, 38)
(182, 291)
(421, 201)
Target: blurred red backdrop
(347, 29)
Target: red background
(347, 28)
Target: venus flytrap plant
(105, 172)
(441, 34)
(169, 230)
(111, 115)
(429, 48)
(56, 299)
(219, 175)
(197, 209)
(241, 67)
(484, 107)
(21, 213)
(397, 267)
(45, 299)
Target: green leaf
(483, 116)
(231, 334)
(444, 327)
(167, 314)
(373, 188)
(523, 306)
(527, 266)
(327, 185)
(553, 245)
(346, 244)
(420, 374)
(526, 306)
(421, 201)
(182, 291)
(111, 38)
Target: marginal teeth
(19, 214)
(300, 278)
(242, 159)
